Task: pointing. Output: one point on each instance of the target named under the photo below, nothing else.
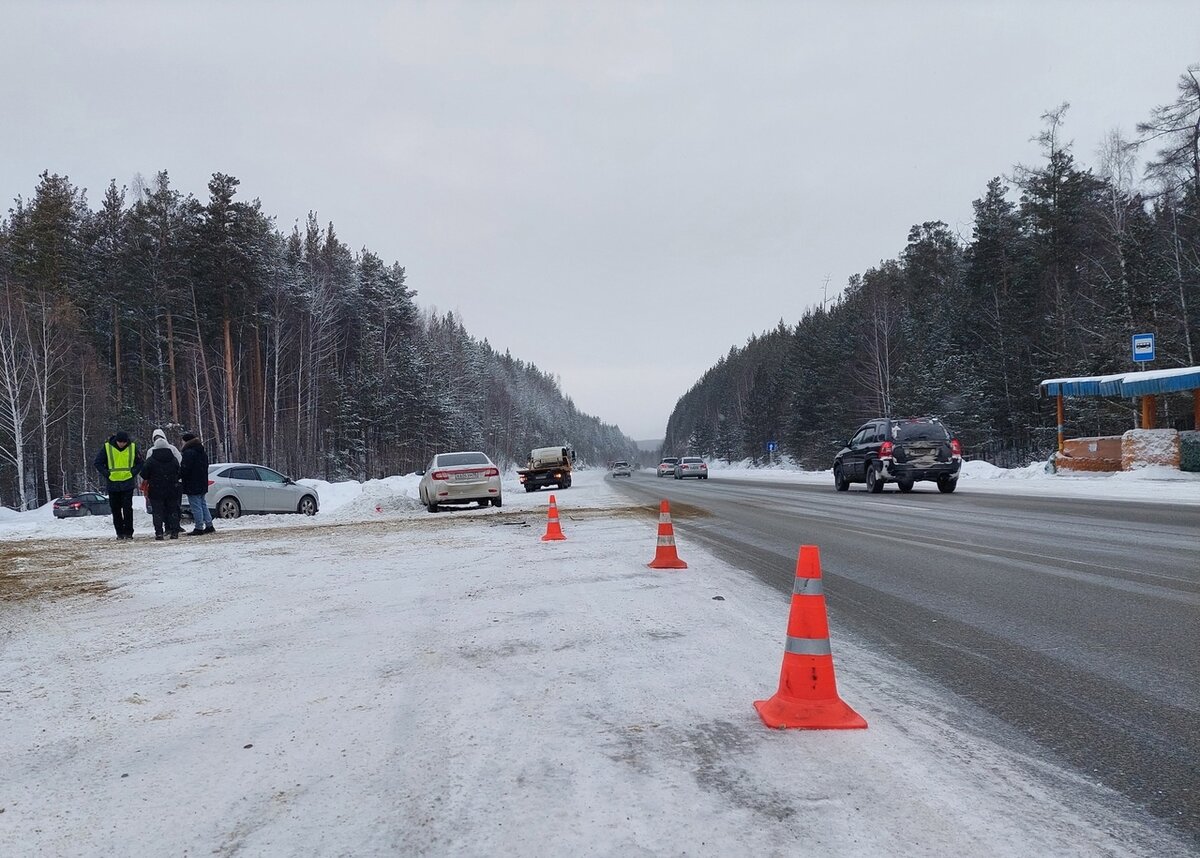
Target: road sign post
(1143, 352)
(1143, 348)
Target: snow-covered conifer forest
(1064, 263)
(290, 349)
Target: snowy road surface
(393, 682)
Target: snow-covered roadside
(342, 502)
(417, 684)
(1153, 484)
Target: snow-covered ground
(1156, 483)
(381, 681)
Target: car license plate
(466, 476)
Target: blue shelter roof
(1128, 384)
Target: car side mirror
(288, 481)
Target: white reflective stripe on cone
(807, 646)
(808, 587)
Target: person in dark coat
(154, 436)
(119, 462)
(193, 474)
(161, 473)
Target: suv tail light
(210, 482)
(439, 475)
(955, 447)
(492, 472)
(885, 450)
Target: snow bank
(352, 499)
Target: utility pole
(825, 293)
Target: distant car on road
(691, 466)
(903, 452)
(84, 503)
(459, 478)
(237, 488)
(622, 469)
(666, 468)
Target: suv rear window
(920, 430)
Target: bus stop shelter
(1146, 386)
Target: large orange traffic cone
(665, 556)
(807, 697)
(553, 528)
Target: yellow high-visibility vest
(120, 462)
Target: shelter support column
(1149, 412)
(1196, 408)
(1060, 422)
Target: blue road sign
(772, 446)
(1143, 347)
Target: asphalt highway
(1075, 622)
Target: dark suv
(900, 452)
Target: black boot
(158, 537)
(210, 529)
(196, 532)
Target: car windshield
(449, 460)
(920, 430)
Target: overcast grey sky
(618, 192)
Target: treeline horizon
(1065, 263)
(286, 349)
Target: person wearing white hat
(157, 436)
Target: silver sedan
(691, 466)
(459, 478)
(235, 488)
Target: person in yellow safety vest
(119, 462)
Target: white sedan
(455, 478)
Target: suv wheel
(874, 478)
(905, 485)
(946, 485)
(839, 479)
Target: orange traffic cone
(553, 529)
(807, 697)
(665, 556)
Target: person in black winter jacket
(118, 464)
(161, 472)
(193, 473)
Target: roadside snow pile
(354, 500)
(977, 469)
